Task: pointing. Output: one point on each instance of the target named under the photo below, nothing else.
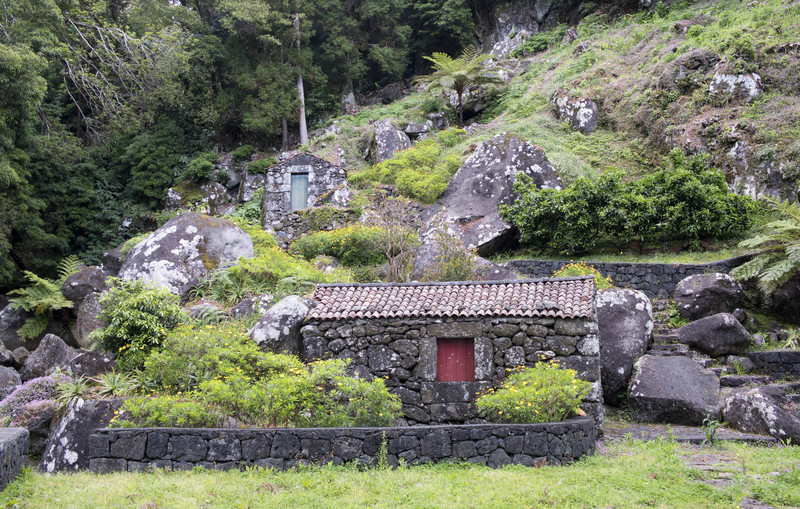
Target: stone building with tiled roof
(439, 344)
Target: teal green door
(299, 191)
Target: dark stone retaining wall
(654, 279)
(404, 351)
(495, 445)
(14, 443)
(777, 362)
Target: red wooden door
(455, 360)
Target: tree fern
(778, 259)
(42, 297)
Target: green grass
(687, 257)
(629, 474)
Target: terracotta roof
(558, 298)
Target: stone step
(704, 360)
(669, 349)
(665, 339)
(661, 305)
(741, 380)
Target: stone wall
(133, 450)
(780, 363)
(14, 443)
(404, 352)
(323, 178)
(657, 280)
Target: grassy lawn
(627, 474)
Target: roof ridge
(454, 283)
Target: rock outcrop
(469, 206)
(279, 329)
(582, 114)
(387, 140)
(10, 321)
(88, 320)
(738, 86)
(52, 353)
(625, 323)
(674, 390)
(187, 248)
(762, 410)
(704, 295)
(715, 335)
(68, 447)
(87, 281)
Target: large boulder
(625, 323)
(581, 114)
(470, 205)
(9, 380)
(87, 281)
(786, 301)
(52, 353)
(387, 140)
(738, 86)
(186, 249)
(90, 364)
(68, 447)
(704, 295)
(36, 416)
(11, 320)
(673, 390)
(279, 329)
(715, 335)
(112, 260)
(762, 410)
(88, 320)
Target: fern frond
(785, 207)
(33, 326)
(753, 268)
(775, 275)
(68, 266)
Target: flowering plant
(543, 393)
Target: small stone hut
(300, 182)
(439, 344)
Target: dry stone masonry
(495, 445)
(656, 280)
(395, 331)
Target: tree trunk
(285, 134)
(460, 110)
(300, 92)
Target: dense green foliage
(420, 172)
(583, 269)
(353, 245)
(778, 247)
(545, 392)
(138, 317)
(685, 200)
(452, 262)
(205, 374)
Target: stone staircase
(665, 340)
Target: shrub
(191, 355)
(685, 200)
(171, 411)
(242, 153)
(582, 269)
(354, 245)
(261, 165)
(138, 317)
(199, 168)
(420, 172)
(545, 392)
(36, 389)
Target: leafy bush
(242, 153)
(248, 216)
(353, 245)
(200, 167)
(545, 392)
(36, 389)
(685, 200)
(420, 172)
(172, 410)
(192, 355)
(42, 298)
(138, 317)
(261, 165)
(582, 269)
(542, 41)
